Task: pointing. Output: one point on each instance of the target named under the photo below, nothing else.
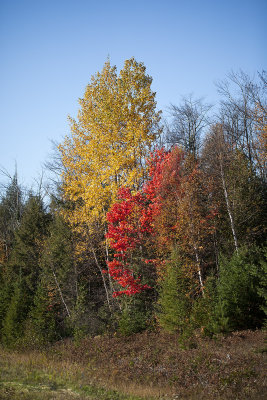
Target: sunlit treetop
(110, 139)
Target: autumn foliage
(138, 234)
(171, 208)
(128, 225)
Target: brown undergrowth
(153, 365)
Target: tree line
(150, 225)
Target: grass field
(36, 376)
(150, 365)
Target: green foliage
(239, 304)
(43, 316)
(11, 208)
(260, 273)
(58, 272)
(85, 319)
(247, 200)
(202, 307)
(58, 249)
(16, 314)
(23, 269)
(5, 295)
(217, 320)
(134, 316)
(25, 256)
(173, 300)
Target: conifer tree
(23, 269)
(42, 324)
(11, 208)
(174, 302)
(59, 272)
(240, 299)
(28, 242)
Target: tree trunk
(103, 278)
(199, 272)
(60, 292)
(228, 204)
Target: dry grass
(147, 365)
(39, 375)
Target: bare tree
(188, 121)
(216, 157)
(242, 98)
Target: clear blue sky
(50, 49)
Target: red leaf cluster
(170, 208)
(128, 223)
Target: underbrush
(146, 365)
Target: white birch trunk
(228, 205)
(60, 292)
(199, 272)
(103, 278)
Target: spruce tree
(59, 273)
(13, 324)
(174, 302)
(240, 296)
(42, 317)
(23, 268)
(11, 209)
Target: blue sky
(50, 49)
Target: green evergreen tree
(23, 268)
(239, 303)
(59, 270)
(15, 316)
(77, 290)
(42, 317)
(5, 294)
(135, 315)
(28, 242)
(247, 195)
(260, 272)
(174, 301)
(11, 209)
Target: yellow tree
(110, 138)
(113, 133)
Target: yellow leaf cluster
(109, 140)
